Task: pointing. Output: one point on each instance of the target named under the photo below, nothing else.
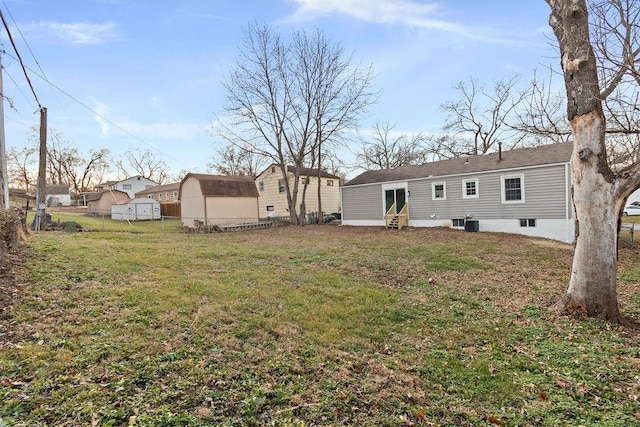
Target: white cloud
(101, 111)
(403, 12)
(409, 13)
(84, 33)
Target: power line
(45, 79)
(24, 40)
(6, 72)
(6, 27)
(107, 120)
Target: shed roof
(512, 159)
(225, 186)
(90, 197)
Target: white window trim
(444, 190)
(464, 189)
(502, 189)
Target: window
(273, 169)
(126, 186)
(270, 208)
(470, 189)
(329, 183)
(513, 189)
(439, 190)
(261, 186)
(159, 197)
(281, 188)
(304, 181)
(529, 222)
(175, 196)
(457, 222)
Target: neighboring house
(169, 197)
(162, 193)
(525, 191)
(100, 203)
(273, 196)
(132, 185)
(104, 186)
(217, 200)
(57, 195)
(138, 209)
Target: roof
(56, 189)
(90, 197)
(227, 186)
(134, 178)
(303, 171)
(137, 200)
(159, 188)
(311, 172)
(512, 159)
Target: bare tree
(62, 157)
(21, 165)
(540, 116)
(541, 119)
(479, 119)
(144, 163)
(66, 165)
(286, 100)
(236, 160)
(598, 192)
(388, 149)
(90, 171)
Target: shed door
(397, 196)
(144, 211)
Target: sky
(147, 74)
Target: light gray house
(525, 191)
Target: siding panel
(362, 203)
(544, 194)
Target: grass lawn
(316, 325)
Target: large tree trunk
(592, 286)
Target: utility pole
(4, 177)
(40, 221)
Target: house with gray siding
(524, 191)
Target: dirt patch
(551, 244)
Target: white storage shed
(139, 209)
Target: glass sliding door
(397, 196)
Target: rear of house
(525, 191)
(273, 196)
(218, 200)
